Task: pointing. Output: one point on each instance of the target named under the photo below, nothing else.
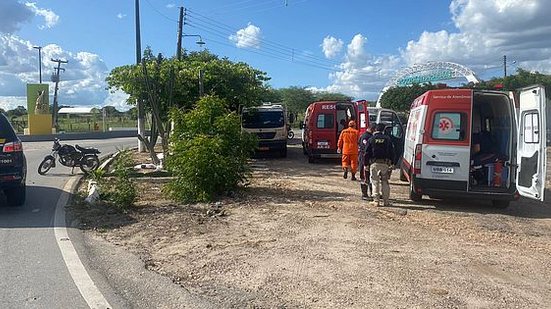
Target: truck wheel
(500, 204)
(403, 175)
(16, 196)
(414, 196)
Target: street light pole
(139, 103)
(39, 62)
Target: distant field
(81, 124)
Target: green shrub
(121, 191)
(209, 152)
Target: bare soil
(299, 236)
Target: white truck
(269, 123)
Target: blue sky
(353, 47)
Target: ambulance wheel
(403, 175)
(500, 204)
(414, 196)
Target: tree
(522, 78)
(331, 96)
(111, 111)
(17, 112)
(400, 98)
(237, 83)
(210, 151)
(296, 99)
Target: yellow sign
(40, 121)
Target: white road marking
(84, 283)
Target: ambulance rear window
(325, 121)
(449, 126)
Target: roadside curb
(86, 286)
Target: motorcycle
(290, 134)
(70, 156)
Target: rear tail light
(13, 147)
(418, 158)
(310, 141)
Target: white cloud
(117, 99)
(82, 82)
(12, 15)
(50, 17)
(486, 30)
(170, 6)
(249, 36)
(121, 16)
(331, 47)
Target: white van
(478, 144)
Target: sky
(353, 47)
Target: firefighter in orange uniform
(348, 147)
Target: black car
(13, 165)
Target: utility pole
(504, 66)
(180, 29)
(55, 78)
(139, 103)
(201, 87)
(39, 62)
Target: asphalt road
(33, 273)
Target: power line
(245, 7)
(159, 12)
(208, 22)
(288, 56)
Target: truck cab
(269, 123)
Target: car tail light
(310, 141)
(418, 157)
(13, 147)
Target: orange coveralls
(348, 144)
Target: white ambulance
(478, 144)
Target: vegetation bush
(209, 152)
(121, 190)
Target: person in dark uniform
(379, 155)
(365, 181)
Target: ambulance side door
(531, 143)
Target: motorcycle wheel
(89, 163)
(45, 165)
(290, 135)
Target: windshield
(262, 119)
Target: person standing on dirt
(365, 181)
(348, 147)
(379, 154)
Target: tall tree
(17, 112)
(400, 98)
(237, 83)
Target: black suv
(13, 165)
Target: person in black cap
(378, 155)
(365, 181)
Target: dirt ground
(300, 237)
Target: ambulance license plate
(442, 170)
